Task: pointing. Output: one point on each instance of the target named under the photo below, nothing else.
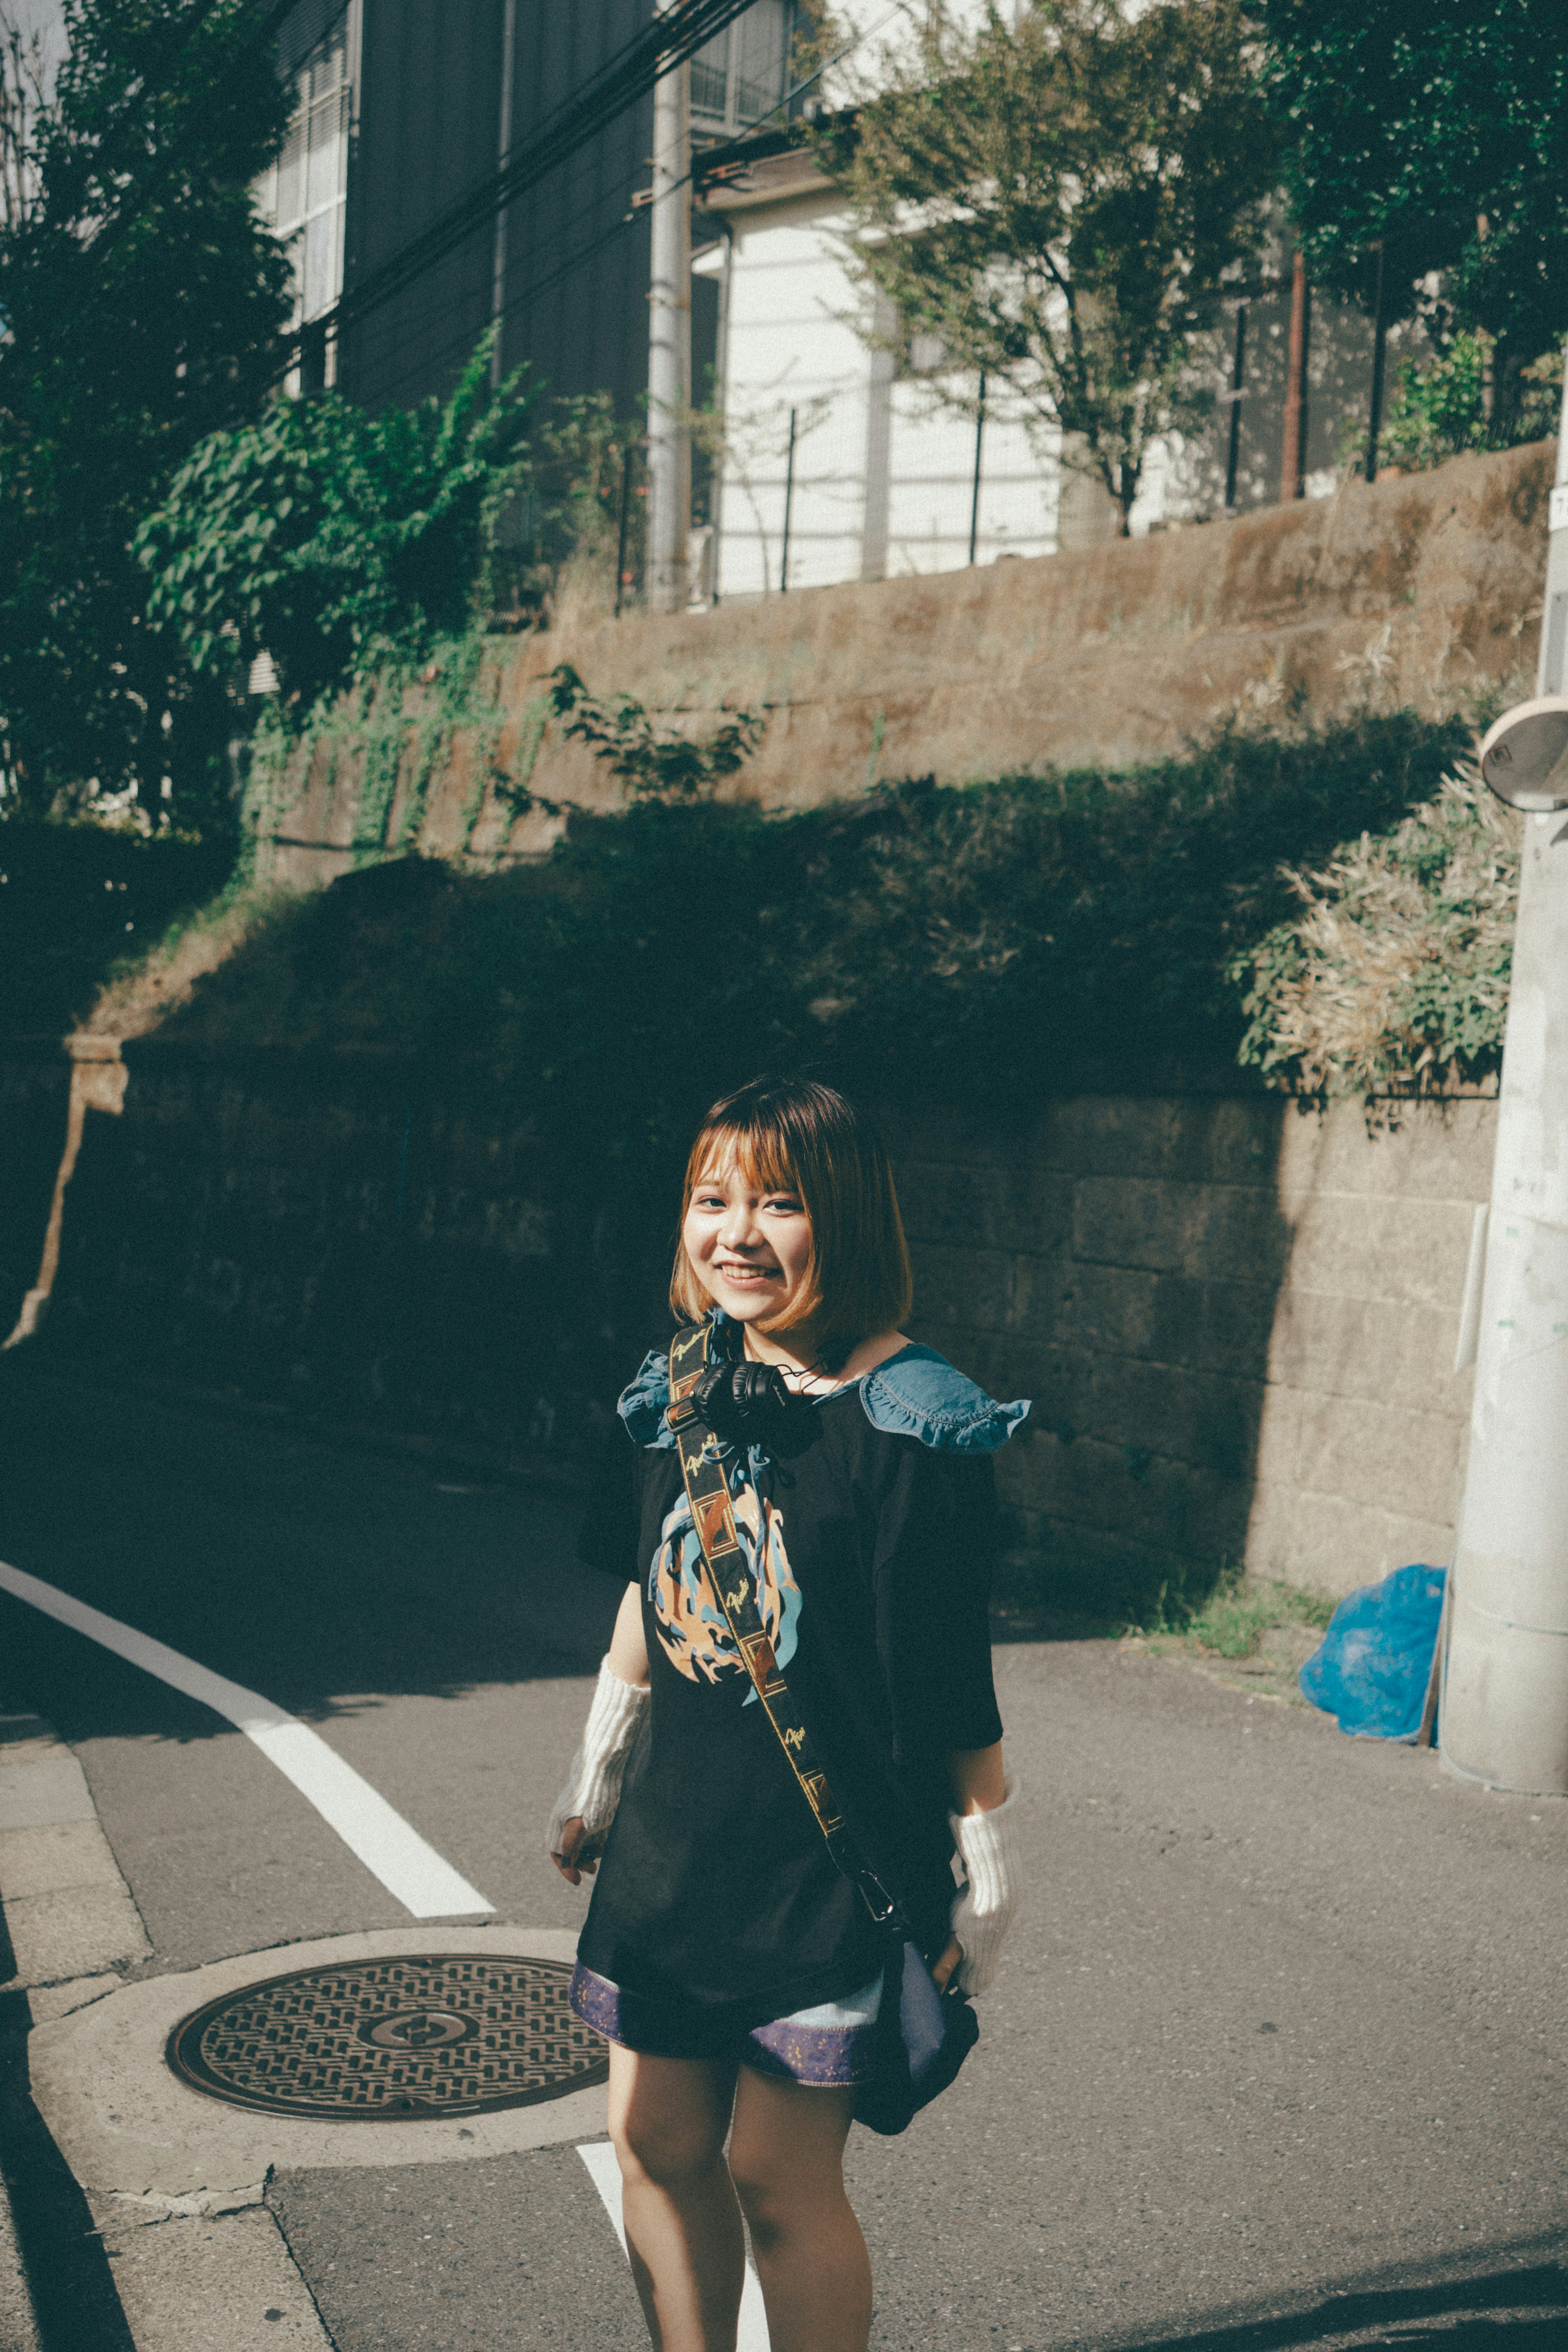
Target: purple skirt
(831, 2047)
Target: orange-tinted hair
(792, 1134)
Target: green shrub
(988, 943)
(331, 538)
(1450, 404)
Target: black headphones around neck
(747, 1403)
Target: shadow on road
(320, 1576)
(1525, 2310)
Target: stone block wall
(1237, 1320)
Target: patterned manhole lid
(392, 2040)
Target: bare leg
(786, 2153)
(668, 2118)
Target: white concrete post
(1504, 1710)
(670, 341)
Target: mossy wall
(1418, 592)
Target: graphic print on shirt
(693, 1629)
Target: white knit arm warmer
(593, 1783)
(988, 1850)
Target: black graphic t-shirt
(874, 1550)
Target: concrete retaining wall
(1238, 1321)
(1411, 591)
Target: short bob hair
(792, 1134)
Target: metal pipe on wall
(1379, 365)
(1503, 1716)
(1237, 380)
(502, 149)
(670, 341)
(975, 491)
(788, 509)
(1293, 455)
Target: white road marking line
(605, 2174)
(390, 1849)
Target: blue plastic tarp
(1373, 1666)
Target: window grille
(303, 198)
(742, 73)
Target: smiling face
(750, 1248)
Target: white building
(886, 481)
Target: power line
(630, 75)
(541, 284)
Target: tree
(142, 301)
(1435, 132)
(324, 535)
(1061, 204)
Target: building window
(303, 197)
(743, 73)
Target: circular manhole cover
(393, 2040)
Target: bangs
(758, 1152)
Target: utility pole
(670, 340)
(1503, 1711)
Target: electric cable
(539, 286)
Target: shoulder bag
(923, 2033)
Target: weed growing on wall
(1393, 973)
(652, 766)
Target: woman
(735, 1969)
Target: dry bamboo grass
(1395, 977)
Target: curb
(184, 2278)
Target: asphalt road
(1276, 2057)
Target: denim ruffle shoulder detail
(918, 1394)
(642, 1405)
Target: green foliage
(144, 302)
(653, 767)
(1442, 132)
(984, 943)
(1448, 404)
(1060, 202)
(1394, 973)
(78, 900)
(1230, 1622)
(331, 537)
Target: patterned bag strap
(713, 1518)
